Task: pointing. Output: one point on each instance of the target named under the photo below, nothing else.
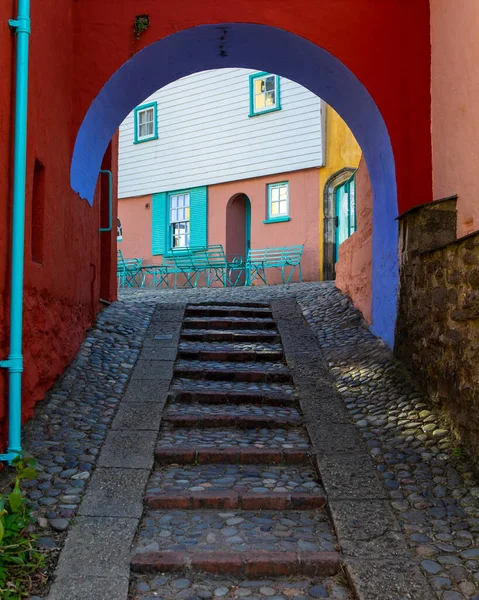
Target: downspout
(14, 363)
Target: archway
(273, 50)
(238, 226)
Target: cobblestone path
(234, 505)
(399, 492)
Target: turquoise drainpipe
(14, 364)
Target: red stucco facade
(62, 292)
(76, 45)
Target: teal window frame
(348, 188)
(252, 79)
(279, 218)
(138, 109)
(170, 248)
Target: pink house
(245, 173)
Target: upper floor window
(180, 220)
(146, 123)
(264, 93)
(278, 202)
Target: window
(119, 230)
(278, 202)
(180, 220)
(264, 93)
(145, 123)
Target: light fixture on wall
(147, 206)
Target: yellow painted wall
(342, 150)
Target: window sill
(264, 112)
(277, 220)
(150, 139)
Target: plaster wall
(62, 289)
(342, 150)
(354, 267)
(301, 229)
(136, 224)
(455, 120)
(366, 36)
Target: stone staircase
(234, 491)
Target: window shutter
(199, 216)
(159, 223)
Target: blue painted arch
(273, 50)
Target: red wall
(62, 293)
(366, 35)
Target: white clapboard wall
(205, 135)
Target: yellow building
(336, 179)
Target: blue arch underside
(273, 50)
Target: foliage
(142, 22)
(18, 556)
(458, 452)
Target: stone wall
(354, 267)
(437, 332)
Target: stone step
(250, 563)
(231, 355)
(196, 533)
(186, 455)
(228, 323)
(228, 311)
(233, 439)
(176, 586)
(228, 420)
(231, 304)
(233, 371)
(261, 388)
(235, 486)
(240, 415)
(232, 397)
(247, 346)
(235, 500)
(228, 335)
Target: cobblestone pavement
(239, 478)
(171, 587)
(221, 438)
(70, 425)
(430, 484)
(232, 531)
(260, 519)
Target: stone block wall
(437, 332)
